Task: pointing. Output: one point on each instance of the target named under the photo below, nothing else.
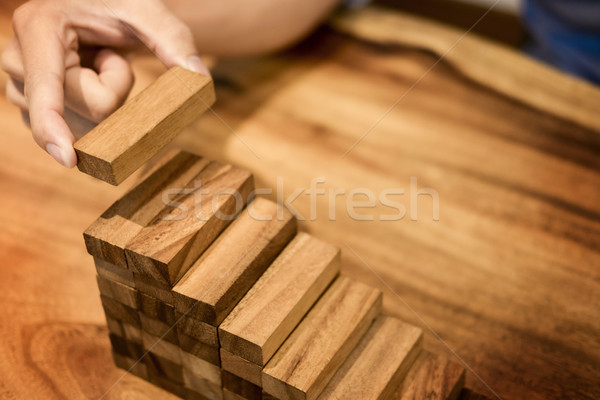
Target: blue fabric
(565, 33)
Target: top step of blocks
(163, 224)
(129, 137)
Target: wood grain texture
(162, 348)
(155, 289)
(120, 311)
(515, 76)
(271, 309)
(241, 367)
(114, 272)
(203, 386)
(117, 291)
(134, 133)
(240, 387)
(159, 328)
(197, 329)
(108, 235)
(200, 367)
(312, 354)
(166, 248)
(215, 283)
(156, 309)
(432, 377)
(379, 363)
(131, 365)
(516, 242)
(229, 395)
(198, 349)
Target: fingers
(166, 35)
(96, 95)
(43, 40)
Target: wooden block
(379, 363)
(198, 349)
(132, 333)
(193, 395)
(107, 237)
(125, 347)
(159, 329)
(312, 354)
(160, 366)
(229, 395)
(201, 385)
(160, 347)
(164, 382)
(114, 273)
(167, 247)
(150, 287)
(197, 329)
(130, 365)
(432, 377)
(267, 396)
(217, 281)
(241, 387)
(201, 368)
(156, 309)
(129, 137)
(271, 309)
(117, 291)
(120, 311)
(114, 326)
(241, 367)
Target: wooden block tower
(211, 294)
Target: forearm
(240, 27)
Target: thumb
(169, 38)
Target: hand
(64, 53)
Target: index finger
(44, 38)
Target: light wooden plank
(200, 367)
(167, 247)
(202, 385)
(108, 235)
(216, 282)
(197, 329)
(271, 309)
(163, 348)
(122, 293)
(241, 367)
(378, 364)
(312, 354)
(129, 137)
(432, 377)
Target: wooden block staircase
(211, 294)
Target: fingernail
(194, 63)
(57, 154)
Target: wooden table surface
(508, 278)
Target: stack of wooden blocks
(210, 294)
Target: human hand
(63, 61)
